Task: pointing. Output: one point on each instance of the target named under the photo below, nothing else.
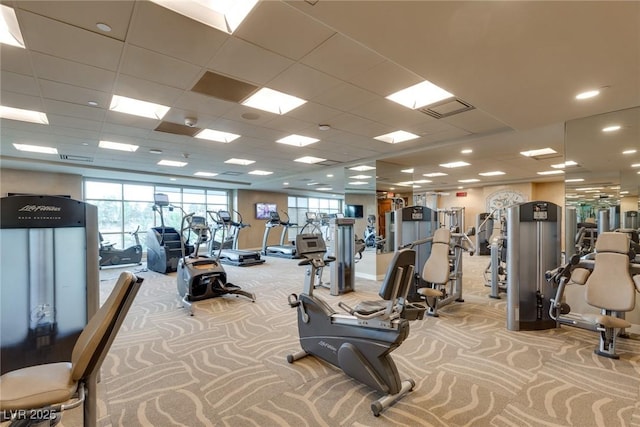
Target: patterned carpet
(226, 365)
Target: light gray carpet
(226, 365)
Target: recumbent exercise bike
(359, 341)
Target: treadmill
(233, 255)
(281, 250)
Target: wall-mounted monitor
(354, 211)
(263, 209)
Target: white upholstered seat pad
(36, 386)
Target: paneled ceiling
(519, 64)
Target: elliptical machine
(111, 256)
(359, 341)
(201, 277)
(164, 244)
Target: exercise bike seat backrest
(436, 269)
(610, 285)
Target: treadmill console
(225, 216)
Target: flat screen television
(263, 209)
(354, 211)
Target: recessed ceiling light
(285, 183)
(624, 192)
(419, 95)
(407, 170)
(492, 173)
(172, 163)
(564, 165)
(574, 180)
(36, 149)
(117, 146)
(396, 137)
(155, 151)
(216, 135)
(137, 107)
(103, 27)
(358, 183)
(297, 140)
(457, 164)
(259, 172)
(588, 94)
(324, 127)
(635, 165)
(538, 152)
(465, 181)
(422, 181)
(554, 172)
(434, 174)
(360, 176)
(630, 151)
(273, 101)
(205, 174)
(362, 168)
(467, 151)
(324, 188)
(223, 15)
(329, 175)
(23, 115)
(243, 162)
(309, 159)
(92, 103)
(9, 29)
(172, 179)
(612, 128)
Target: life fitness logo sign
(39, 212)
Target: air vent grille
(76, 158)
(446, 108)
(223, 87)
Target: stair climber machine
(201, 277)
(111, 256)
(358, 341)
(231, 255)
(164, 244)
(281, 250)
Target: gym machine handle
(555, 275)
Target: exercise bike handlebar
(324, 261)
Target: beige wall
(31, 182)
(251, 237)
(370, 207)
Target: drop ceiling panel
(68, 42)
(111, 130)
(19, 83)
(73, 94)
(86, 14)
(360, 126)
(385, 78)
(166, 32)
(314, 113)
(303, 82)
(128, 120)
(238, 58)
(19, 100)
(15, 59)
(282, 29)
(57, 69)
(475, 121)
(74, 110)
(342, 58)
(251, 115)
(146, 90)
(196, 103)
(286, 125)
(344, 97)
(391, 113)
(74, 122)
(149, 65)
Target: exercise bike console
(357, 342)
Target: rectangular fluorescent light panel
(243, 162)
(407, 170)
(423, 181)
(469, 180)
(362, 168)
(223, 15)
(23, 115)
(9, 29)
(574, 180)
(205, 174)
(396, 137)
(358, 183)
(419, 95)
(273, 101)
(539, 152)
(492, 173)
(434, 174)
(564, 165)
(117, 146)
(172, 163)
(259, 172)
(361, 177)
(555, 172)
(309, 159)
(137, 107)
(297, 140)
(216, 135)
(455, 164)
(36, 149)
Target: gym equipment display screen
(263, 209)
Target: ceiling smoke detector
(190, 121)
(324, 127)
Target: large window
(299, 206)
(125, 207)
